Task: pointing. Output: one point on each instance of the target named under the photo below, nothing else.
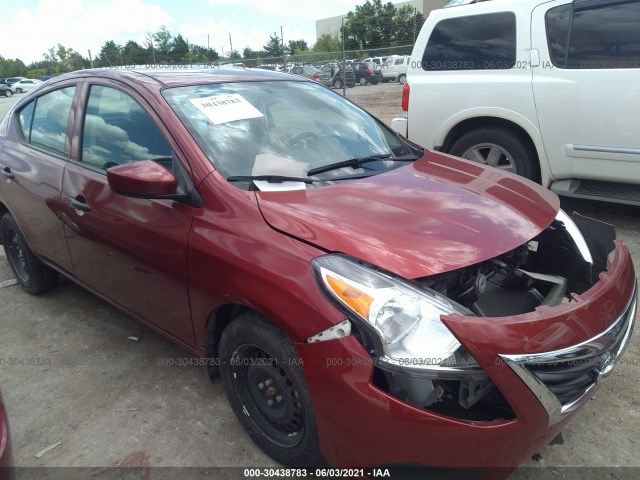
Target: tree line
(372, 26)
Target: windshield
(284, 128)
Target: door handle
(79, 205)
(6, 172)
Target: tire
(267, 390)
(363, 81)
(8, 93)
(18, 90)
(33, 275)
(402, 78)
(498, 147)
(337, 83)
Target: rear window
(597, 38)
(475, 42)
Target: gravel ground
(111, 402)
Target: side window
(118, 130)
(50, 119)
(399, 61)
(26, 116)
(600, 38)
(474, 42)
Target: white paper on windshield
(279, 187)
(225, 108)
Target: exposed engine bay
(565, 259)
(544, 271)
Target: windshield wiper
(356, 162)
(268, 178)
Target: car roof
(178, 75)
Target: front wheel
(263, 379)
(7, 93)
(337, 83)
(18, 90)
(500, 148)
(33, 275)
(402, 78)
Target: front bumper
(361, 425)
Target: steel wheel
(268, 392)
(16, 257)
(33, 275)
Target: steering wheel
(302, 138)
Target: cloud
(78, 25)
(306, 9)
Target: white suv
(546, 89)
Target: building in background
(332, 25)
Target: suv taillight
(369, 72)
(317, 76)
(405, 97)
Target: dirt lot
(110, 401)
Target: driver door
(133, 252)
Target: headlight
(404, 319)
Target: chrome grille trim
(608, 345)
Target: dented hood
(437, 214)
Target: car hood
(437, 214)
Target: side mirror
(143, 179)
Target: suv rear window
(475, 42)
(599, 38)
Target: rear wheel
(7, 93)
(337, 83)
(263, 379)
(34, 276)
(402, 78)
(500, 148)
(363, 81)
(18, 90)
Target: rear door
(131, 251)
(587, 88)
(33, 159)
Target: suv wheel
(8, 93)
(402, 78)
(363, 81)
(497, 147)
(263, 379)
(337, 83)
(18, 90)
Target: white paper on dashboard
(279, 187)
(225, 108)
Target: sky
(34, 26)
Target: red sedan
(6, 460)
(366, 302)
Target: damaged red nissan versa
(347, 284)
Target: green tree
(297, 47)
(179, 50)
(12, 67)
(134, 54)
(370, 26)
(162, 42)
(109, 55)
(327, 43)
(273, 48)
(200, 54)
(407, 22)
